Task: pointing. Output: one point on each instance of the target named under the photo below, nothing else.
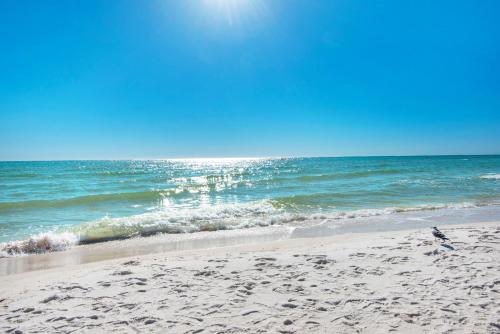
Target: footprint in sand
(131, 263)
(121, 273)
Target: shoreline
(165, 242)
(373, 282)
(274, 245)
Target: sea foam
(491, 176)
(40, 243)
(189, 220)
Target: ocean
(53, 205)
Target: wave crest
(181, 220)
(41, 243)
(188, 220)
(491, 176)
(85, 200)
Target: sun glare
(234, 11)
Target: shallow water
(69, 202)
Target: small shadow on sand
(450, 247)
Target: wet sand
(378, 282)
(140, 246)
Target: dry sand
(379, 282)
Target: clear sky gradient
(209, 78)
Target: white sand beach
(378, 282)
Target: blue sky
(197, 78)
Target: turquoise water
(100, 200)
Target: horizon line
(255, 158)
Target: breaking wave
(189, 220)
(491, 176)
(40, 243)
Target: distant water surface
(71, 202)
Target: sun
(233, 11)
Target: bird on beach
(438, 234)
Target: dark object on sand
(438, 234)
